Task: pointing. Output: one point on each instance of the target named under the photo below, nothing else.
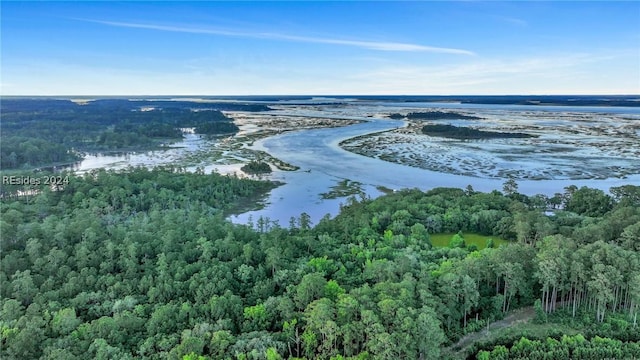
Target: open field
(442, 240)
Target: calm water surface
(317, 151)
(323, 163)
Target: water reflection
(318, 151)
(173, 152)
(324, 164)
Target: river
(323, 164)
(317, 151)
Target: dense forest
(568, 347)
(37, 132)
(142, 264)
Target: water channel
(323, 164)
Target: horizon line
(300, 95)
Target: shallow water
(323, 163)
(317, 151)
(172, 153)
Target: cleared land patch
(480, 241)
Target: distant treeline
(560, 100)
(554, 100)
(434, 115)
(465, 133)
(38, 132)
(13, 104)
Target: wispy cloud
(554, 74)
(372, 45)
(512, 20)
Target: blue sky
(251, 48)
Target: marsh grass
(344, 188)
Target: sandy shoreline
(233, 151)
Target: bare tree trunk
(544, 301)
(504, 303)
(580, 298)
(574, 300)
(465, 319)
(627, 296)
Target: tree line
(44, 132)
(434, 115)
(567, 347)
(142, 264)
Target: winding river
(323, 164)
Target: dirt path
(519, 316)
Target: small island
(465, 133)
(256, 168)
(434, 115)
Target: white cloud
(372, 45)
(512, 21)
(560, 74)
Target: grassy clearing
(442, 240)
